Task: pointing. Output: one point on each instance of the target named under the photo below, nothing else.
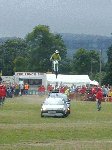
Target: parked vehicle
(54, 107)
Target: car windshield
(53, 102)
(59, 95)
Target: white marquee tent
(68, 79)
(94, 82)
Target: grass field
(22, 128)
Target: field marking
(58, 142)
(58, 125)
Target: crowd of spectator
(85, 92)
(73, 92)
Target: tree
(20, 64)
(9, 51)
(95, 64)
(65, 66)
(80, 62)
(86, 62)
(108, 76)
(42, 43)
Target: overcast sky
(19, 17)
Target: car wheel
(42, 115)
(64, 115)
(68, 112)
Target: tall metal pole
(100, 57)
(91, 69)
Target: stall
(34, 79)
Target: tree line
(33, 54)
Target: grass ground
(22, 128)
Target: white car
(63, 96)
(54, 107)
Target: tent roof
(94, 82)
(68, 78)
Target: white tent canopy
(68, 79)
(94, 82)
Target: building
(34, 79)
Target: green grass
(22, 128)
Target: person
(2, 94)
(99, 97)
(26, 88)
(41, 90)
(105, 91)
(55, 56)
(110, 95)
(21, 87)
(67, 92)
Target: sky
(19, 17)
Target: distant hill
(76, 41)
(88, 42)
